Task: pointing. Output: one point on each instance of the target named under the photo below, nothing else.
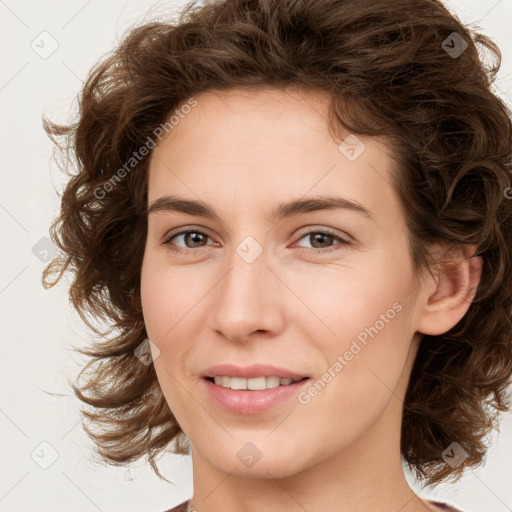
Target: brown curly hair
(388, 70)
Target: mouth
(253, 384)
(254, 395)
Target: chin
(257, 459)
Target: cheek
(160, 307)
(168, 307)
(161, 301)
(350, 304)
(360, 376)
(369, 322)
(153, 293)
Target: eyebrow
(284, 209)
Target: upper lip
(248, 372)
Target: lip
(251, 402)
(248, 372)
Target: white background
(38, 327)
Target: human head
(388, 75)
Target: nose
(248, 299)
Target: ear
(447, 296)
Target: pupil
(321, 235)
(196, 237)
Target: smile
(254, 384)
(235, 395)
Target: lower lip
(251, 402)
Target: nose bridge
(244, 285)
(246, 297)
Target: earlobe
(449, 297)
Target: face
(326, 293)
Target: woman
(295, 217)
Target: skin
(243, 152)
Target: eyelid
(344, 240)
(183, 230)
(315, 228)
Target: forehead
(264, 146)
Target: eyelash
(308, 250)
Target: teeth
(254, 384)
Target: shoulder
(182, 507)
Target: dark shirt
(444, 506)
(182, 507)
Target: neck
(365, 475)
(368, 475)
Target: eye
(192, 238)
(320, 240)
